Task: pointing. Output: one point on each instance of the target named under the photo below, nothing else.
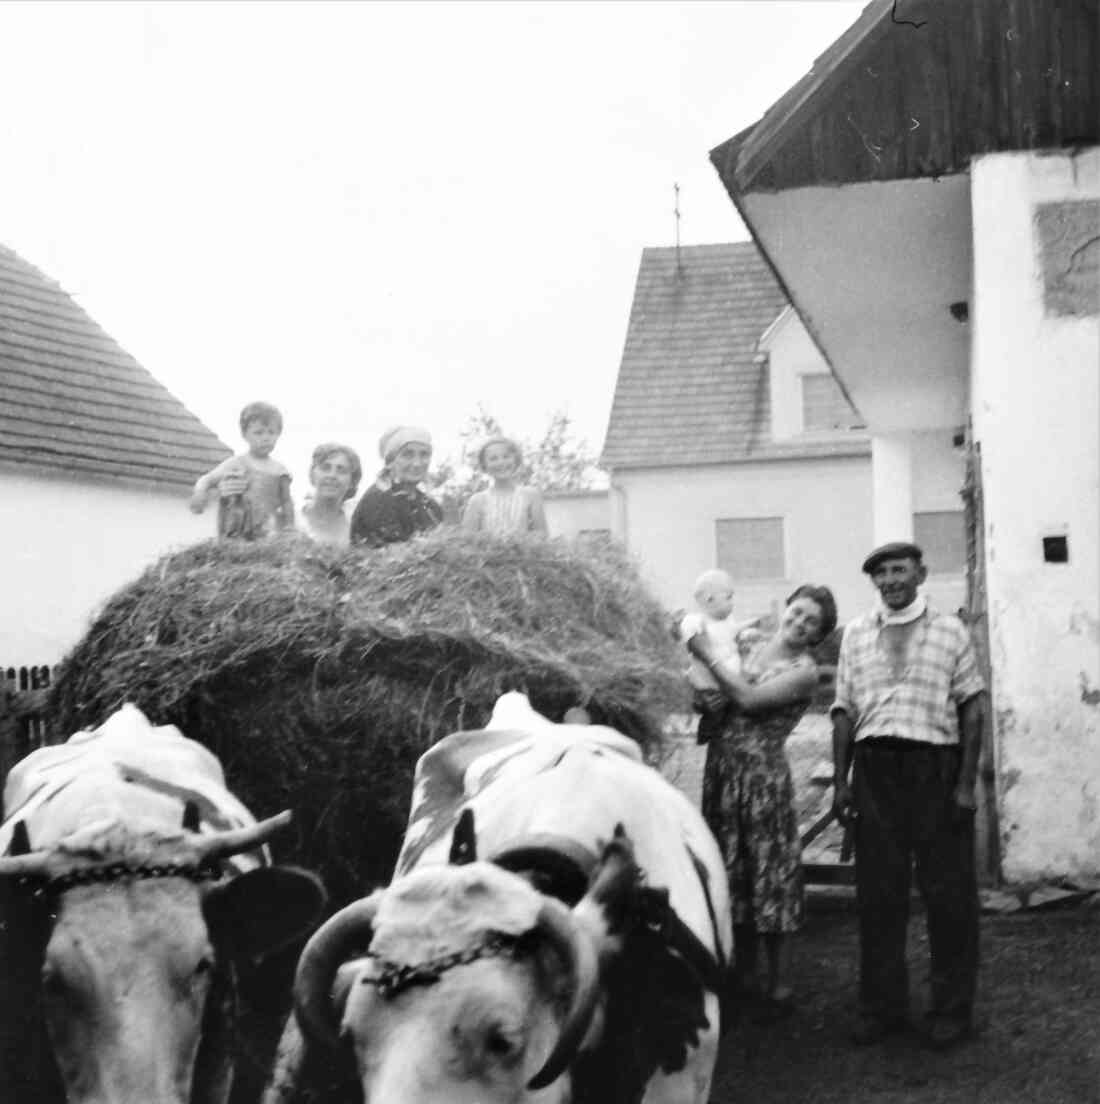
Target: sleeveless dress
(748, 803)
(502, 512)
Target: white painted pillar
(892, 488)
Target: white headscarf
(397, 437)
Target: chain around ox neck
(393, 977)
(115, 872)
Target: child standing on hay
(508, 506)
(253, 488)
(713, 593)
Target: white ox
(131, 885)
(580, 964)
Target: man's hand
(844, 806)
(965, 804)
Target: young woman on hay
(334, 473)
(748, 793)
(508, 506)
(394, 508)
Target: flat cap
(895, 550)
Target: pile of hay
(319, 676)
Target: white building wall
(666, 517)
(669, 524)
(69, 545)
(570, 513)
(1036, 412)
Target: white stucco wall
(873, 267)
(666, 518)
(670, 519)
(1036, 410)
(569, 513)
(70, 544)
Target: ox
(580, 959)
(133, 886)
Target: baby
(254, 488)
(714, 596)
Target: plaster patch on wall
(1089, 805)
(1082, 623)
(1069, 253)
(1089, 695)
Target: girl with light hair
(394, 508)
(508, 506)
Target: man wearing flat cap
(907, 718)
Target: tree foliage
(555, 461)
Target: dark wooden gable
(917, 89)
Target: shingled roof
(691, 387)
(72, 399)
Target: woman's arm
(790, 688)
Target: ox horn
(21, 861)
(557, 923)
(232, 842)
(324, 954)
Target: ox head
(462, 983)
(138, 938)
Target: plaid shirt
(941, 673)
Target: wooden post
(986, 831)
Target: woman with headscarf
(394, 508)
(507, 506)
(334, 473)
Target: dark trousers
(904, 794)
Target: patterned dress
(748, 803)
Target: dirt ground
(1037, 1038)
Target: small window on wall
(751, 548)
(824, 407)
(941, 535)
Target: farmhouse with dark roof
(96, 462)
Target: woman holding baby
(748, 794)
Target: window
(824, 406)
(751, 548)
(941, 535)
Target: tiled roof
(72, 399)
(691, 388)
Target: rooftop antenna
(676, 212)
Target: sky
(373, 213)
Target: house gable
(75, 401)
(805, 396)
(693, 386)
